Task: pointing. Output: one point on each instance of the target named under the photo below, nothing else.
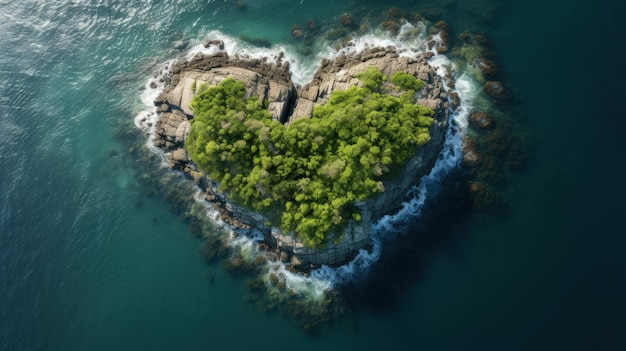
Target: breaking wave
(410, 41)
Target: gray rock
(166, 129)
(271, 82)
(181, 132)
(213, 42)
(178, 159)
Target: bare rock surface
(271, 81)
(266, 80)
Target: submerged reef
(268, 82)
(285, 273)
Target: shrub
(371, 78)
(306, 176)
(406, 81)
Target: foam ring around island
(169, 133)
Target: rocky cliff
(269, 79)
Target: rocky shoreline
(270, 80)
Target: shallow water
(88, 261)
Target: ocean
(94, 257)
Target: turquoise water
(88, 261)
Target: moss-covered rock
(391, 26)
(346, 19)
(495, 89)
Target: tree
(309, 174)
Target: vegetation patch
(306, 177)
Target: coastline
(270, 79)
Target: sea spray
(410, 41)
(147, 118)
(302, 68)
(390, 226)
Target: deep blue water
(89, 262)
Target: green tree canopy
(308, 175)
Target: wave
(410, 41)
(302, 68)
(390, 226)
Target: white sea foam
(311, 287)
(443, 65)
(467, 89)
(246, 241)
(390, 226)
(302, 69)
(211, 212)
(410, 41)
(147, 118)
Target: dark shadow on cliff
(444, 220)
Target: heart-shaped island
(311, 167)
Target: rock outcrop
(271, 81)
(481, 120)
(267, 80)
(340, 74)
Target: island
(244, 132)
